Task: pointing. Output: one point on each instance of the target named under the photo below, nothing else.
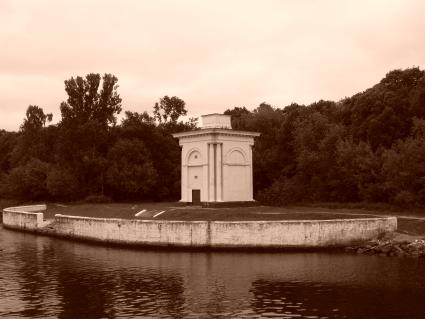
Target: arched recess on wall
(236, 156)
(194, 157)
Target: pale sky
(212, 54)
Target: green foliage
(383, 113)
(27, 182)
(8, 141)
(168, 110)
(238, 117)
(366, 148)
(62, 184)
(130, 172)
(87, 103)
(404, 167)
(35, 119)
(87, 155)
(97, 199)
(34, 139)
(287, 191)
(85, 129)
(360, 170)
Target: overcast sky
(212, 54)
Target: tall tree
(34, 136)
(130, 172)
(87, 117)
(35, 119)
(87, 103)
(238, 117)
(168, 110)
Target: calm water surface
(42, 277)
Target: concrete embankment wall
(208, 234)
(131, 231)
(24, 217)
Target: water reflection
(49, 278)
(100, 294)
(317, 300)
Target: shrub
(62, 184)
(405, 198)
(96, 199)
(28, 181)
(130, 172)
(281, 193)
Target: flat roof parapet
(216, 120)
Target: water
(42, 277)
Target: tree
(34, 137)
(86, 103)
(165, 159)
(383, 114)
(404, 167)
(28, 181)
(238, 117)
(168, 110)
(360, 172)
(35, 119)
(130, 172)
(85, 129)
(368, 147)
(8, 141)
(417, 99)
(134, 119)
(62, 184)
(315, 140)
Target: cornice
(214, 131)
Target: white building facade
(216, 162)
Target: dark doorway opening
(196, 196)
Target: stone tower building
(216, 162)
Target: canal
(42, 277)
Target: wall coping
(26, 209)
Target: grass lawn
(172, 211)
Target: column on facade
(211, 173)
(251, 186)
(184, 177)
(219, 172)
(205, 172)
(185, 196)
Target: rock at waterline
(393, 245)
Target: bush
(281, 193)
(97, 199)
(405, 198)
(28, 181)
(62, 184)
(130, 173)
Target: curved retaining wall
(24, 217)
(208, 234)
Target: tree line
(87, 155)
(368, 147)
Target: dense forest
(369, 147)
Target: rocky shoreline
(392, 245)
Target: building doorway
(196, 196)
